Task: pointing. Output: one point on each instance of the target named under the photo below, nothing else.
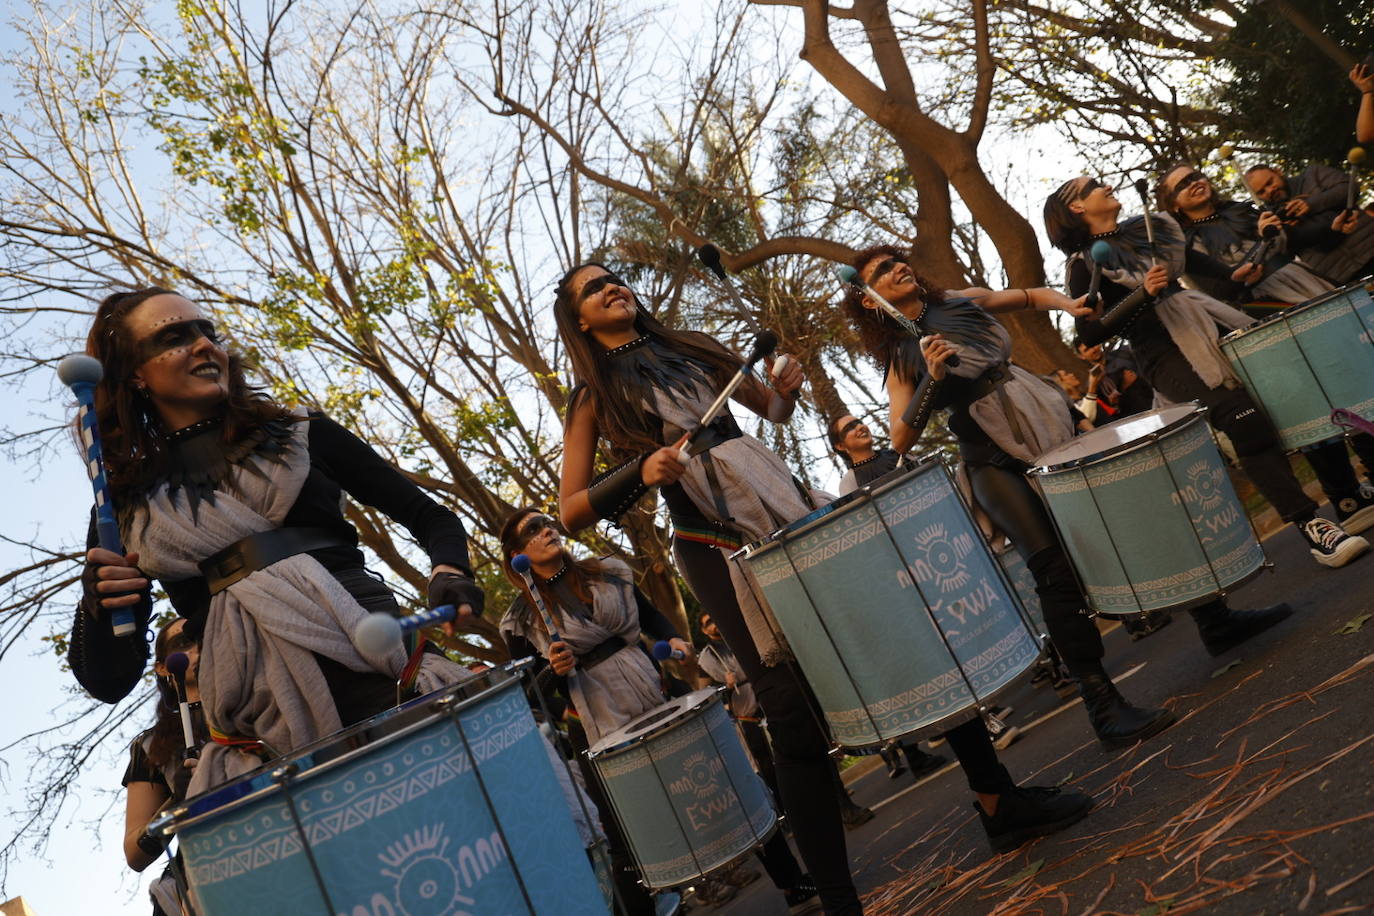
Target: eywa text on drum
(1147, 513)
(683, 790)
(1308, 360)
(895, 608)
(449, 804)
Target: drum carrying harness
(259, 551)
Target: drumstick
(766, 342)
(521, 564)
(81, 374)
(1143, 188)
(710, 256)
(850, 276)
(1354, 157)
(379, 631)
(178, 663)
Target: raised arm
(1038, 298)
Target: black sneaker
(922, 763)
(854, 815)
(1026, 813)
(1356, 513)
(804, 898)
(1330, 544)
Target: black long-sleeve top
(109, 667)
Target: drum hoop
(685, 714)
(187, 815)
(1293, 310)
(1125, 448)
(844, 504)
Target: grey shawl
(258, 674)
(1190, 316)
(620, 688)
(716, 660)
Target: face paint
(174, 335)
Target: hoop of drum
(903, 619)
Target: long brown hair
(879, 334)
(625, 425)
(579, 575)
(1166, 200)
(132, 438)
(1067, 230)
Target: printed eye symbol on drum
(942, 558)
(427, 882)
(1203, 480)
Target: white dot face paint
(183, 368)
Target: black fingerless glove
(457, 590)
(1117, 320)
(614, 492)
(152, 845)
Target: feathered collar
(1129, 246)
(648, 364)
(1234, 223)
(199, 462)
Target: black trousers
(1016, 509)
(1332, 464)
(800, 748)
(775, 856)
(1234, 412)
(360, 695)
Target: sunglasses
(849, 427)
(885, 266)
(595, 286)
(180, 642)
(174, 335)
(533, 526)
(1191, 178)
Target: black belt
(259, 551)
(983, 386)
(599, 653)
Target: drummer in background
(157, 777)
(1003, 417)
(1173, 332)
(641, 386)
(1226, 230)
(601, 666)
(1314, 201)
(234, 503)
(1119, 379)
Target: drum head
(655, 720)
(1114, 438)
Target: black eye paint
(172, 336)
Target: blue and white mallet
(663, 650)
(521, 564)
(81, 374)
(850, 277)
(379, 631)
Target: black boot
(1222, 629)
(1117, 723)
(1025, 813)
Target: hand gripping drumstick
(177, 663)
(850, 276)
(766, 342)
(710, 256)
(1143, 188)
(1355, 157)
(81, 374)
(380, 631)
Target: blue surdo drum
(1308, 360)
(1147, 513)
(447, 805)
(683, 790)
(1019, 575)
(895, 608)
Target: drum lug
(285, 774)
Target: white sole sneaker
(1358, 521)
(1348, 549)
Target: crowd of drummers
(231, 505)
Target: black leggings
(1015, 508)
(800, 749)
(1332, 463)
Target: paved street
(1260, 800)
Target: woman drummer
(159, 768)
(1227, 230)
(1173, 333)
(1002, 417)
(600, 663)
(233, 503)
(641, 387)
